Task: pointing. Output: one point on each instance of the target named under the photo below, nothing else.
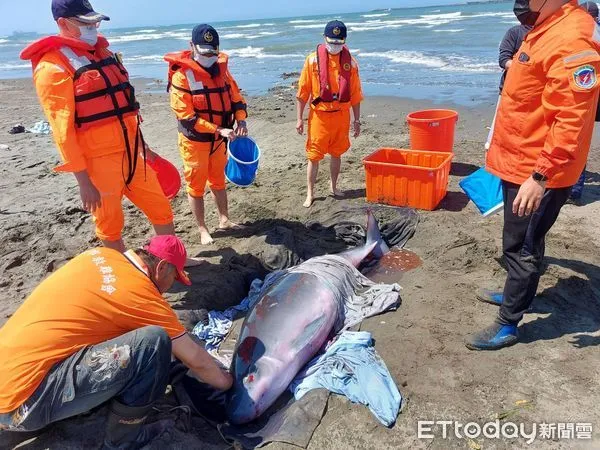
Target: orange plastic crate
(414, 178)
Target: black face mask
(524, 13)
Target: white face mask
(88, 33)
(334, 49)
(206, 61)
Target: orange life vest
(210, 93)
(325, 94)
(101, 85)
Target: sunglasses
(208, 53)
(84, 24)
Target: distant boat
(488, 1)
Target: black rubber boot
(125, 427)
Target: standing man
(331, 83)
(540, 145)
(208, 103)
(98, 330)
(577, 192)
(85, 92)
(509, 47)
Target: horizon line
(460, 3)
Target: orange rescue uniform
(97, 146)
(546, 115)
(328, 122)
(98, 296)
(203, 102)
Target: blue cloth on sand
(352, 367)
(41, 127)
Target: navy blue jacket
(510, 46)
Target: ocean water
(445, 53)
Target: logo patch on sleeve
(585, 77)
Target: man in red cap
(99, 329)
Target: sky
(35, 15)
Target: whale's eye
(252, 375)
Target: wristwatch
(538, 176)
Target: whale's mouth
(244, 400)
(240, 408)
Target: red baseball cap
(171, 249)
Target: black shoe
(125, 428)
(17, 129)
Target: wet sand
(555, 369)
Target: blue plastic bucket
(242, 163)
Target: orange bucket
(432, 129)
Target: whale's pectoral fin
(306, 336)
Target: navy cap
(205, 38)
(79, 9)
(336, 32)
(592, 8)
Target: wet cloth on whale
(360, 297)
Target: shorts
(328, 134)
(108, 176)
(201, 167)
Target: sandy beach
(551, 376)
